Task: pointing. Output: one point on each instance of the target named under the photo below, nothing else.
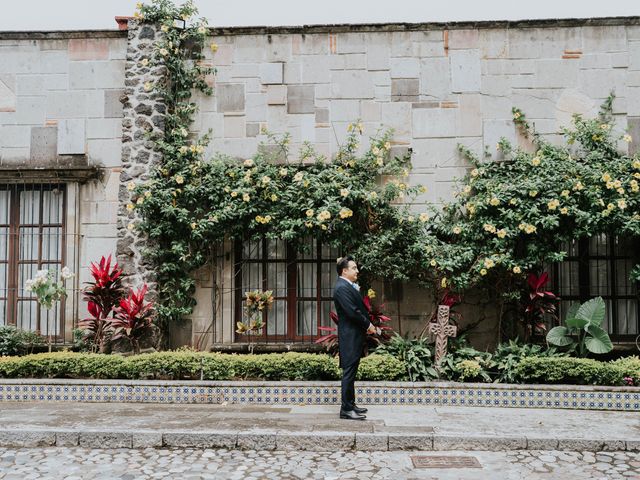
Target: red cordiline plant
(102, 295)
(133, 318)
(539, 305)
(376, 317)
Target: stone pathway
(126, 464)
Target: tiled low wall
(318, 393)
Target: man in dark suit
(353, 325)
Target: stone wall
(436, 85)
(60, 116)
(143, 115)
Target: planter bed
(321, 393)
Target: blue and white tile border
(321, 393)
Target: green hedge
(582, 371)
(191, 365)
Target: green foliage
(466, 364)
(583, 329)
(191, 365)
(191, 203)
(416, 355)
(514, 215)
(508, 355)
(18, 342)
(571, 370)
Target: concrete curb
(312, 441)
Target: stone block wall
(60, 108)
(435, 85)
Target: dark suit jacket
(353, 321)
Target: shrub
(415, 354)
(582, 371)
(18, 342)
(187, 364)
(507, 357)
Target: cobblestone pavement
(85, 464)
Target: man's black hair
(343, 263)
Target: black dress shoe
(351, 415)
(360, 410)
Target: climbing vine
(191, 203)
(508, 217)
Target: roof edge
(346, 27)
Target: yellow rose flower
(387, 145)
(283, 172)
(148, 86)
(489, 228)
(627, 138)
(636, 164)
(130, 207)
(535, 161)
(164, 52)
(164, 28)
(234, 194)
(371, 293)
(309, 213)
(147, 194)
(467, 189)
(622, 204)
(179, 179)
(433, 263)
(494, 201)
(517, 269)
(274, 197)
(564, 210)
(489, 263)
(533, 193)
(346, 213)
(578, 186)
(606, 177)
(144, 62)
(483, 272)
(245, 197)
(140, 200)
(457, 230)
(344, 192)
(323, 226)
(131, 186)
(202, 30)
(530, 229)
(513, 201)
(373, 195)
(424, 217)
(565, 193)
(248, 162)
(501, 233)
(193, 225)
(131, 226)
(443, 282)
(553, 204)
(475, 172)
(214, 47)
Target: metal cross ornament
(442, 330)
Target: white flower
(28, 286)
(66, 274)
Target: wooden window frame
(14, 262)
(583, 257)
(291, 260)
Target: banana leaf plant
(583, 330)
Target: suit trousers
(348, 388)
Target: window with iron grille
(600, 266)
(302, 285)
(32, 237)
